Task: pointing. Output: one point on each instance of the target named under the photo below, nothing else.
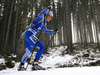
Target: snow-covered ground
(59, 71)
(54, 60)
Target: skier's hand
(56, 30)
(50, 7)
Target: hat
(50, 13)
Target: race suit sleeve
(43, 12)
(47, 31)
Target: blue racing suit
(31, 39)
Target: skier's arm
(47, 31)
(43, 12)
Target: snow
(54, 57)
(59, 71)
(2, 60)
(53, 60)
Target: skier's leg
(27, 53)
(40, 51)
(25, 56)
(37, 57)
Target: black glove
(56, 30)
(50, 7)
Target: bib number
(34, 38)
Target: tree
(68, 25)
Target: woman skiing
(32, 40)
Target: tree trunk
(15, 28)
(68, 24)
(8, 26)
(4, 25)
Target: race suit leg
(31, 40)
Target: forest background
(78, 21)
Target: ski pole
(50, 40)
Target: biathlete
(31, 39)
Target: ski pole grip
(56, 30)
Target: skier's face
(49, 18)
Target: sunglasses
(51, 16)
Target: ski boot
(21, 67)
(35, 66)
